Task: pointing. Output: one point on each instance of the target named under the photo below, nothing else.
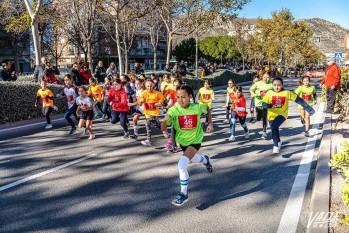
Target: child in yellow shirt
(46, 97)
(96, 93)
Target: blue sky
(336, 11)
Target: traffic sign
(338, 56)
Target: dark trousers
(227, 111)
(331, 98)
(119, 116)
(71, 111)
(106, 108)
(97, 106)
(262, 114)
(274, 126)
(151, 121)
(46, 112)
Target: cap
(331, 59)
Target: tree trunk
(117, 37)
(89, 54)
(126, 60)
(243, 62)
(169, 48)
(16, 54)
(35, 32)
(155, 59)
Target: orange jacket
(332, 76)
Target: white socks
(183, 174)
(135, 129)
(198, 159)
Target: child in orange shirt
(96, 91)
(46, 97)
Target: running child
(118, 100)
(206, 95)
(238, 111)
(85, 104)
(252, 104)
(258, 91)
(185, 117)
(106, 89)
(96, 91)
(230, 89)
(46, 97)
(171, 144)
(308, 94)
(139, 110)
(70, 91)
(151, 100)
(276, 101)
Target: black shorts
(87, 115)
(196, 146)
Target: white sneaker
(232, 138)
(165, 134)
(48, 126)
(247, 135)
(276, 150)
(146, 143)
(55, 107)
(279, 145)
(264, 135)
(226, 121)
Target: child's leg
(147, 126)
(135, 123)
(106, 108)
(227, 112)
(46, 112)
(82, 123)
(243, 123)
(307, 121)
(115, 117)
(89, 126)
(123, 122)
(67, 115)
(233, 118)
(265, 116)
(275, 125)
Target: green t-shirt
(261, 88)
(306, 93)
(186, 122)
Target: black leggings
(151, 121)
(262, 114)
(46, 111)
(227, 111)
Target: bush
(18, 98)
(30, 78)
(343, 95)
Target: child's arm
(37, 101)
(306, 106)
(164, 122)
(209, 120)
(77, 110)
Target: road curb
(320, 199)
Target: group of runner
(118, 97)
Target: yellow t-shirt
(46, 102)
(279, 101)
(150, 99)
(96, 92)
(206, 96)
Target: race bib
(70, 98)
(278, 101)
(44, 99)
(206, 96)
(95, 96)
(84, 107)
(262, 93)
(307, 97)
(188, 122)
(150, 106)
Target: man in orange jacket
(332, 82)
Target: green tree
(219, 47)
(185, 51)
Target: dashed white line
(2, 188)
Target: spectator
(39, 70)
(182, 70)
(49, 73)
(100, 72)
(138, 68)
(175, 68)
(167, 68)
(332, 82)
(111, 70)
(85, 73)
(75, 73)
(6, 74)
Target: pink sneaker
(169, 144)
(92, 136)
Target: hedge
(18, 98)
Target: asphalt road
(47, 184)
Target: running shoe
(169, 144)
(208, 164)
(92, 136)
(172, 149)
(134, 136)
(264, 135)
(180, 199)
(276, 150)
(252, 120)
(146, 143)
(85, 132)
(247, 135)
(232, 138)
(226, 121)
(303, 121)
(126, 135)
(72, 131)
(55, 108)
(48, 126)
(307, 134)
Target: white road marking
(2, 188)
(25, 126)
(290, 217)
